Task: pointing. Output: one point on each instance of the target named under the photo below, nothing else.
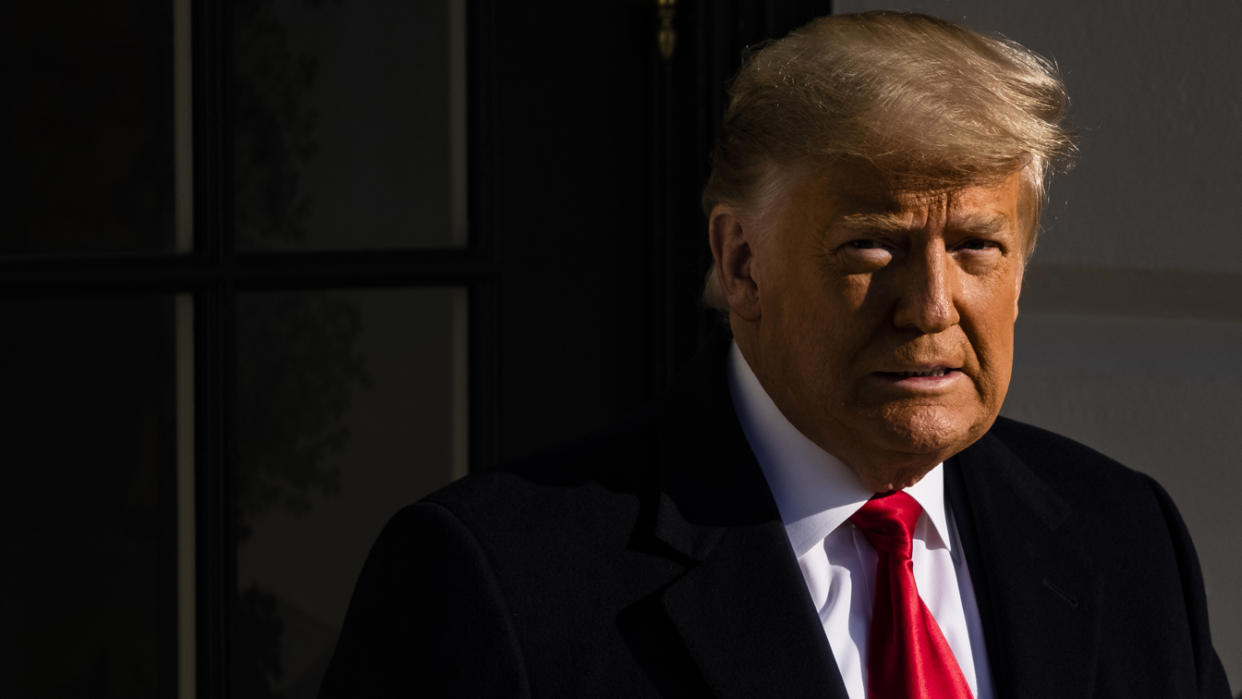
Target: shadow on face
(878, 318)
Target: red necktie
(908, 657)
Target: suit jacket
(652, 562)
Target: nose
(926, 293)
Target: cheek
(995, 354)
(994, 342)
(988, 320)
(809, 337)
(991, 302)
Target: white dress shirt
(816, 494)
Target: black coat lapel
(748, 622)
(742, 608)
(1037, 597)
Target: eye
(866, 254)
(869, 247)
(864, 244)
(979, 244)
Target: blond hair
(927, 103)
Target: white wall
(1130, 338)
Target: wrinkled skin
(843, 288)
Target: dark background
(195, 373)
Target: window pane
(350, 405)
(88, 142)
(349, 124)
(89, 588)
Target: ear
(733, 250)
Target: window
(252, 283)
(243, 309)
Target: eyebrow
(897, 223)
(884, 222)
(980, 225)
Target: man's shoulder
(588, 481)
(598, 480)
(1093, 484)
(1060, 458)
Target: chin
(933, 433)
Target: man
(828, 505)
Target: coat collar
(1037, 596)
(742, 609)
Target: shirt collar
(815, 491)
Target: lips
(930, 372)
(938, 371)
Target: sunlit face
(882, 320)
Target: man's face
(885, 317)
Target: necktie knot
(888, 522)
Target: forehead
(862, 197)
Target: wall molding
(1155, 293)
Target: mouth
(931, 375)
(936, 372)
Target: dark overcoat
(652, 562)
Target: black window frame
(214, 272)
(711, 38)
